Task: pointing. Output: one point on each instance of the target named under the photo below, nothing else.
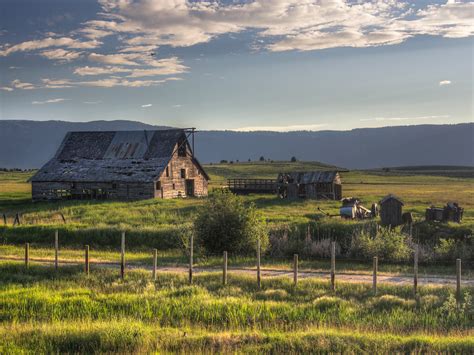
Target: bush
(386, 244)
(226, 223)
(449, 249)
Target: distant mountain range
(29, 144)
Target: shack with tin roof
(313, 185)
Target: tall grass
(66, 311)
(40, 297)
(128, 336)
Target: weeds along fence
(354, 241)
(294, 271)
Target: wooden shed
(313, 185)
(391, 211)
(122, 165)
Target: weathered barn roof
(310, 177)
(122, 156)
(391, 197)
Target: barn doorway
(189, 187)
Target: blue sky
(242, 65)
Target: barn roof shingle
(122, 156)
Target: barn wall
(92, 190)
(174, 185)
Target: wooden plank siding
(171, 184)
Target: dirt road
(387, 278)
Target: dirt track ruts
(434, 280)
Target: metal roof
(310, 177)
(391, 197)
(122, 156)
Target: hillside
(29, 144)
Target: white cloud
(6, 88)
(115, 81)
(286, 24)
(142, 26)
(147, 105)
(289, 128)
(17, 84)
(83, 71)
(50, 101)
(94, 33)
(167, 66)
(135, 49)
(444, 82)
(56, 84)
(92, 102)
(61, 54)
(113, 59)
(47, 43)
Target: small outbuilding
(391, 211)
(314, 185)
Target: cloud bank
(141, 27)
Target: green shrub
(226, 223)
(449, 249)
(386, 244)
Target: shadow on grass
(17, 273)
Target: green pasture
(44, 311)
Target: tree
(262, 158)
(226, 223)
(223, 161)
(293, 159)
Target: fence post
(56, 249)
(4, 219)
(122, 256)
(295, 269)
(27, 255)
(333, 266)
(155, 262)
(415, 271)
(224, 270)
(259, 281)
(374, 278)
(458, 280)
(86, 261)
(191, 249)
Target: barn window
(167, 172)
(114, 186)
(174, 187)
(158, 185)
(183, 173)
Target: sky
(244, 65)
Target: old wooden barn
(313, 184)
(122, 165)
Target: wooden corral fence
(247, 186)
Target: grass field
(47, 311)
(417, 191)
(66, 311)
